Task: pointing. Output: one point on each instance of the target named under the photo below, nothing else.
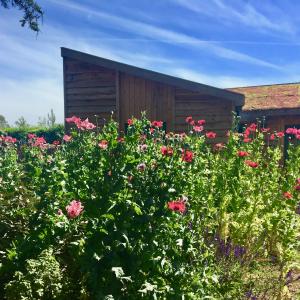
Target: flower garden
(149, 214)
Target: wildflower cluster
(148, 214)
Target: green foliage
(3, 122)
(41, 280)
(129, 242)
(50, 134)
(32, 12)
(51, 118)
(22, 123)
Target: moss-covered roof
(276, 96)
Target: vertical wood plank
(118, 97)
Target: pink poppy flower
(219, 146)
(291, 131)
(143, 148)
(141, 167)
(201, 122)
(198, 128)
(74, 209)
(265, 130)
(31, 136)
(67, 138)
(188, 119)
(103, 144)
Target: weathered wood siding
(217, 113)
(93, 90)
(89, 90)
(279, 123)
(138, 95)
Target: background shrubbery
(50, 134)
(156, 216)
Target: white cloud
(165, 35)
(215, 80)
(243, 13)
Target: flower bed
(151, 214)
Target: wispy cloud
(165, 35)
(221, 81)
(243, 13)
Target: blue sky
(224, 43)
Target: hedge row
(50, 134)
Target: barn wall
(89, 90)
(93, 90)
(279, 123)
(138, 95)
(217, 113)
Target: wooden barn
(279, 104)
(98, 86)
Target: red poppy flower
(264, 130)
(247, 140)
(130, 122)
(252, 127)
(272, 137)
(158, 124)
(211, 135)
(280, 134)
(187, 156)
(201, 122)
(242, 153)
(167, 151)
(287, 195)
(177, 206)
(251, 163)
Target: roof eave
(260, 113)
(237, 98)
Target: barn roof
(214, 92)
(270, 97)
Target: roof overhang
(236, 98)
(250, 115)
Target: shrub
(152, 214)
(50, 134)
